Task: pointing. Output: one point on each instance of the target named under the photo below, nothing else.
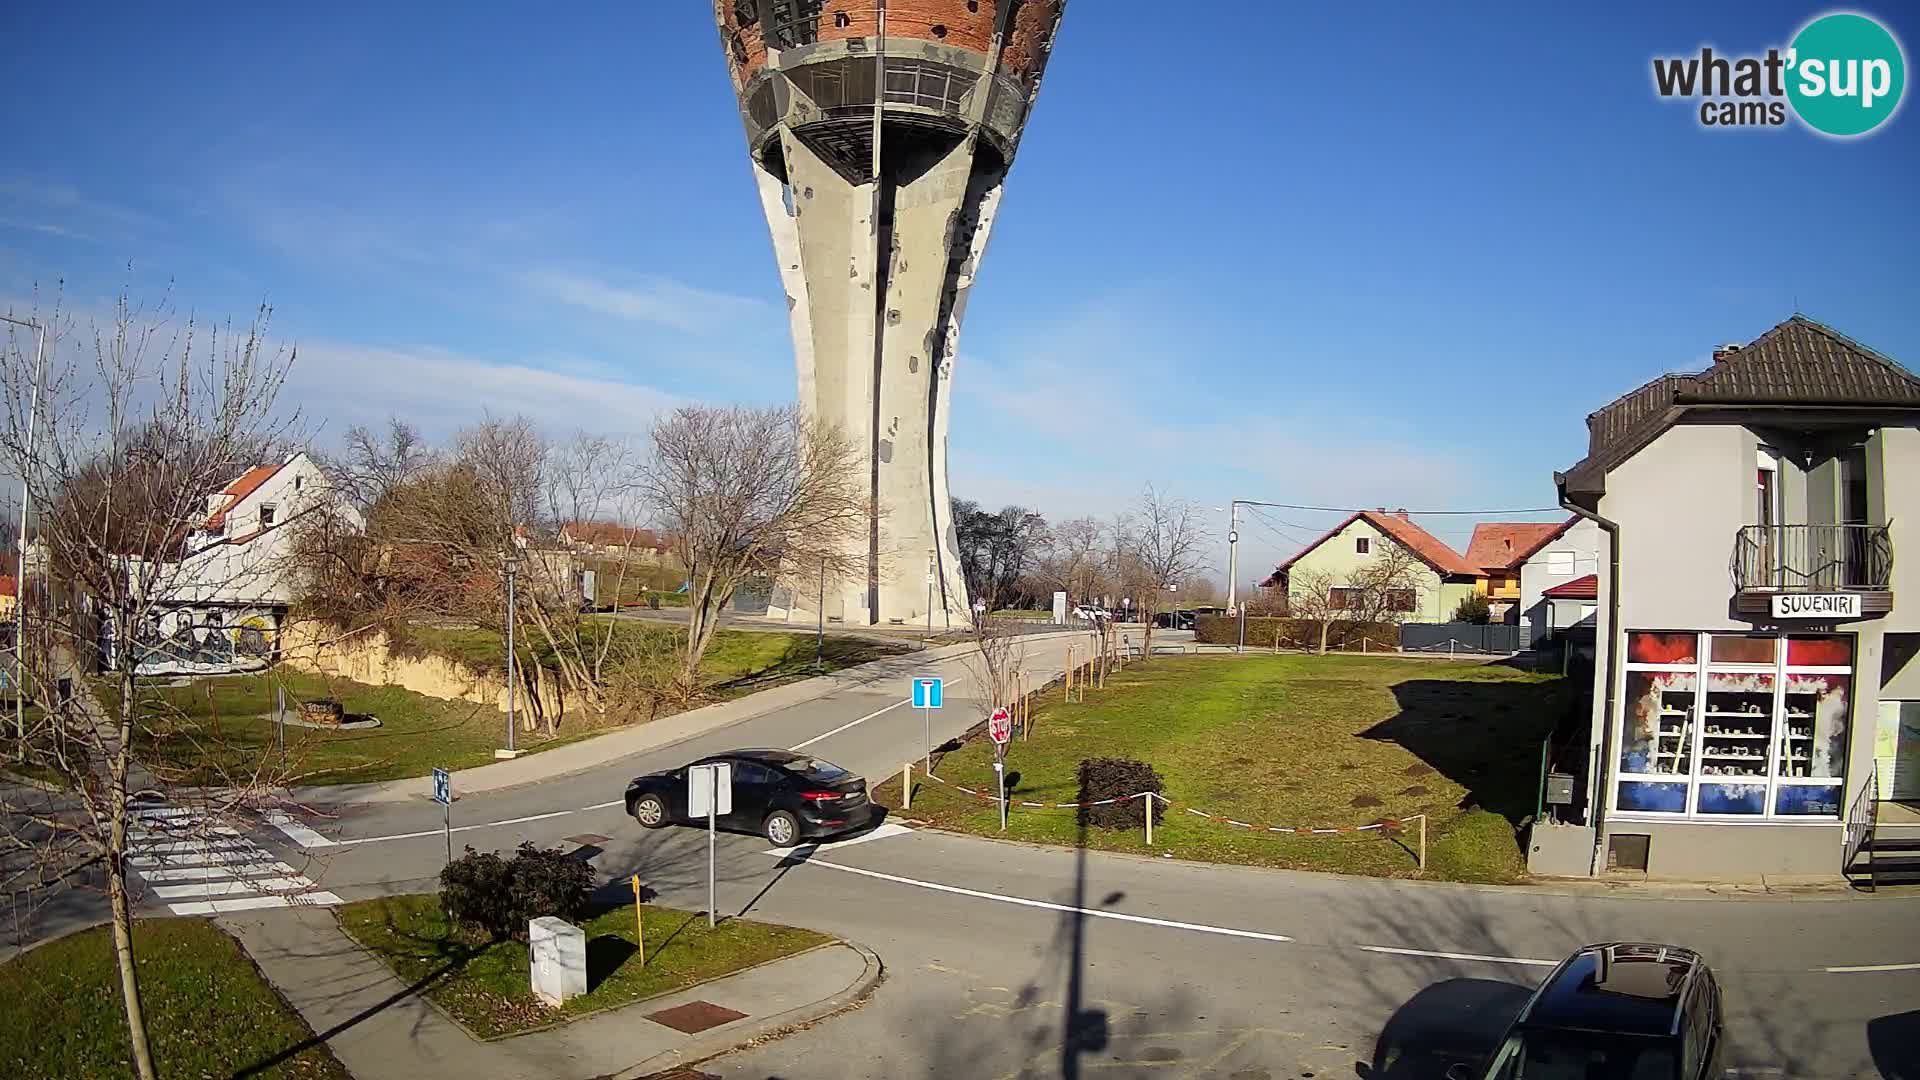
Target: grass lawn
(209, 1012)
(484, 985)
(737, 661)
(220, 726)
(1285, 741)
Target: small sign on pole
(1000, 730)
(443, 794)
(710, 792)
(926, 698)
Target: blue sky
(1390, 259)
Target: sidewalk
(640, 738)
(381, 1029)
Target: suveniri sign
(1816, 605)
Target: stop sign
(1000, 726)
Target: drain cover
(695, 1016)
(586, 839)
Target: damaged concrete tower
(880, 133)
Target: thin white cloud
(340, 384)
(651, 299)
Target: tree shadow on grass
(1484, 736)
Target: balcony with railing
(1772, 559)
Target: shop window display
(1720, 726)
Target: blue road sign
(926, 693)
(443, 787)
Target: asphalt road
(1013, 961)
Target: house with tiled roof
(1556, 582)
(1442, 579)
(1496, 551)
(1756, 610)
(229, 591)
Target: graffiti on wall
(207, 641)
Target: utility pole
(511, 564)
(1233, 584)
(26, 505)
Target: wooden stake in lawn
(1066, 684)
(639, 922)
(906, 786)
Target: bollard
(1149, 819)
(1423, 843)
(906, 786)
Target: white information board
(709, 783)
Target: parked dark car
(784, 796)
(1616, 1011)
(1174, 620)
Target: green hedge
(1294, 633)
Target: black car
(784, 796)
(1616, 1011)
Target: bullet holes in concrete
(886, 450)
(913, 365)
(939, 31)
(893, 316)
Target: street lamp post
(26, 505)
(511, 564)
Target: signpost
(1000, 730)
(926, 698)
(710, 792)
(639, 922)
(443, 794)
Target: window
(1399, 599)
(1339, 598)
(1560, 563)
(296, 483)
(266, 515)
(1361, 544)
(1720, 727)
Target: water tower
(881, 132)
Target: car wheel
(782, 829)
(650, 811)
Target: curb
(705, 1048)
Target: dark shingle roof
(1797, 363)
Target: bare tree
(997, 549)
(1071, 558)
(1381, 590)
(743, 492)
(1164, 540)
(370, 465)
(135, 432)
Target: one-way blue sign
(443, 787)
(926, 693)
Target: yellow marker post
(639, 923)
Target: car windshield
(1545, 1054)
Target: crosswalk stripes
(200, 868)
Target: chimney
(1402, 514)
(1723, 353)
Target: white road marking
(202, 873)
(1459, 956)
(1856, 969)
(207, 890)
(229, 873)
(210, 858)
(1022, 901)
(869, 716)
(885, 830)
(622, 803)
(252, 903)
(297, 832)
(456, 828)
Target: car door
(753, 785)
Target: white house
(1756, 682)
(226, 597)
(1555, 593)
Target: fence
(1460, 637)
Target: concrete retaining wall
(368, 657)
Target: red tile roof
(248, 483)
(1580, 588)
(1502, 545)
(1429, 548)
